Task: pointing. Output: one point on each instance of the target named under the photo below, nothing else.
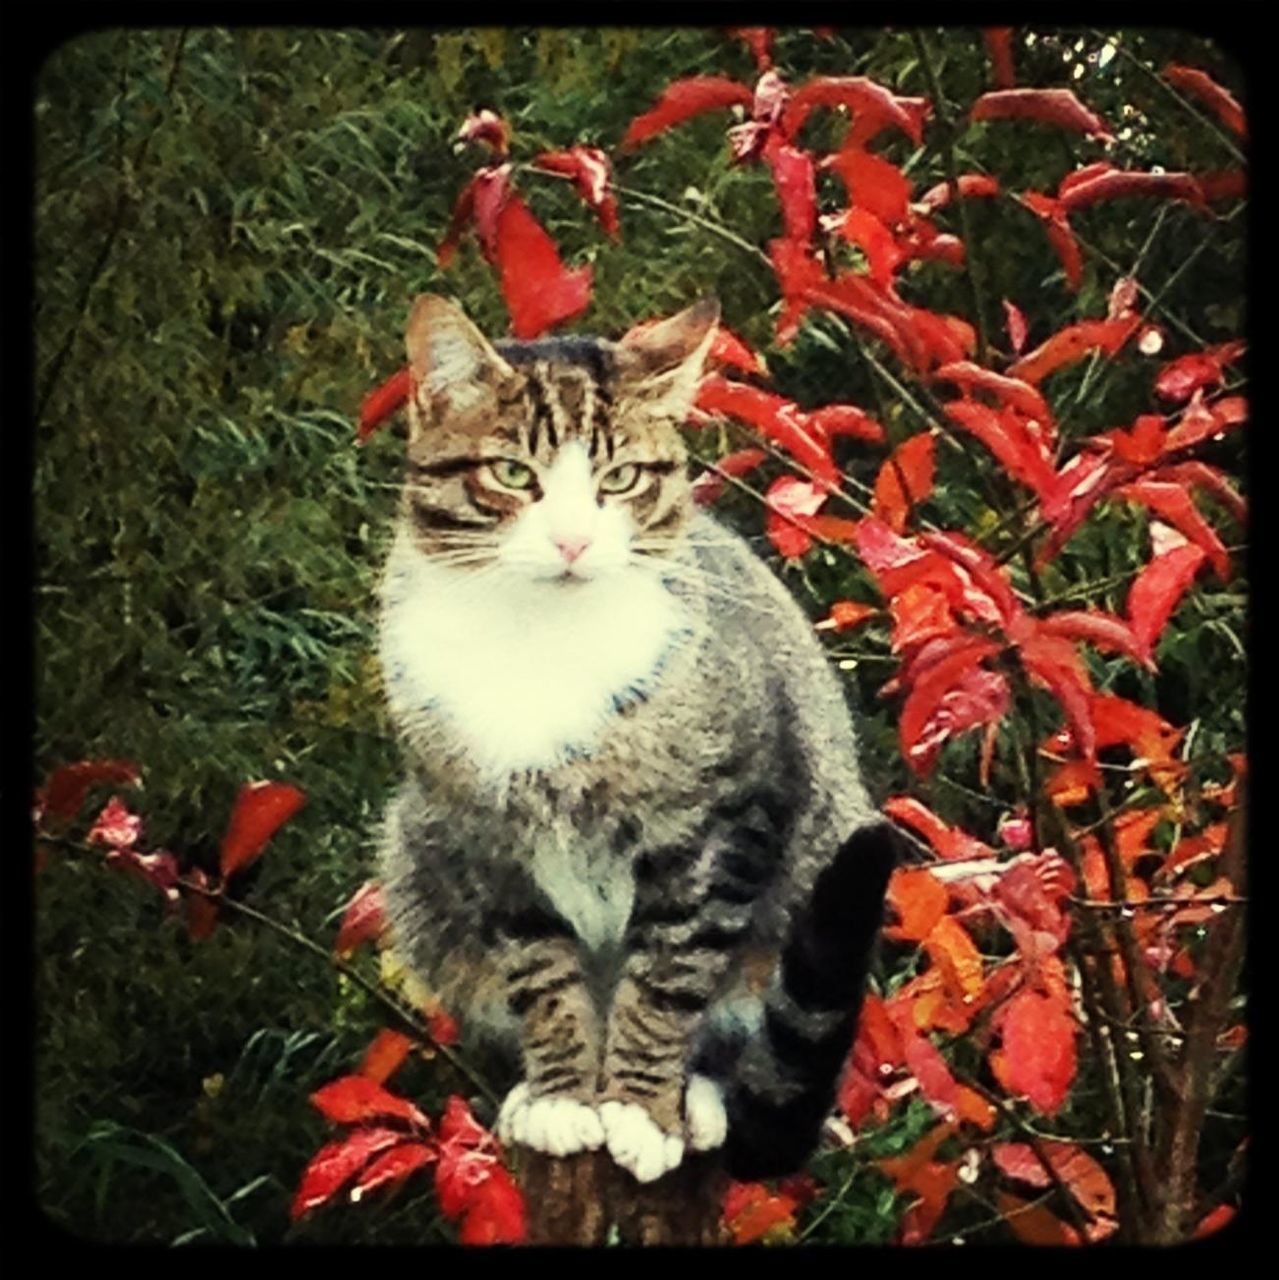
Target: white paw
(704, 1115)
(636, 1143)
(557, 1126)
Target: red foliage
(1218, 100)
(1047, 106)
(261, 808)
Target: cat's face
(556, 461)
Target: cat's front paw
(637, 1143)
(552, 1124)
(705, 1120)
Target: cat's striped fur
(632, 839)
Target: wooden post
(586, 1199)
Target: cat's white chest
(526, 673)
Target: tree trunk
(586, 1199)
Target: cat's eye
(621, 479)
(511, 474)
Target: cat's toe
(556, 1126)
(636, 1143)
(705, 1119)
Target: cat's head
(558, 460)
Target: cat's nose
(571, 548)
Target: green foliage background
(229, 226)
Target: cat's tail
(783, 1085)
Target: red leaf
(1105, 182)
(495, 1214)
(1214, 1221)
(759, 40)
(1057, 228)
(920, 613)
(1174, 504)
(1217, 99)
(980, 697)
(1181, 378)
(873, 183)
(159, 869)
(710, 484)
(1104, 630)
(364, 919)
(928, 691)
(873, 106)
(999, 47)
(752, 1210)
(1048, 106)
(1021, 395)
(728, 349)
(868, 233)
(1072, 344)
(382, 402)
(115, 826)
(790, 502)
(335, 1164)
(1053, 662)
(1226, 184)
(64, 793)
(383, 1057)
(1157, 589)
(469, 1156)
(540, 291)
(592, 175)
(1086, 1180)
(393, 1168)
(988, 576)
(969, 184)
(793, 176)
(480, 201)
(924, 1061)
(1201, 475)
(683, 99)
(774, 417)
(487, 127)
(1038, 1056)
(354, 1099)
(443, 1028)
(844, 420)
(904, 480)
(1016, 325)
(261, 808)
(1022, 453)
(201, 911)
(950, 842)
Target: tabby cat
(632, 844)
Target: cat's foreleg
(553, 1108)
(682, 939)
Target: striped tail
(784, 1083)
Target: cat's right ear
(455, 368)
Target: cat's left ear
(662, 363)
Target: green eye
(511, 474)
(620, 479)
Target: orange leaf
(752, 1211)
(1158, 589)
(261, 808)
(975, 1109)
(904, 480)
(1038, 1056)
(954, 953)
(1032, 1223)
(919, 899)
(383, 1057)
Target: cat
(632, 843)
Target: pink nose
(571, 548)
